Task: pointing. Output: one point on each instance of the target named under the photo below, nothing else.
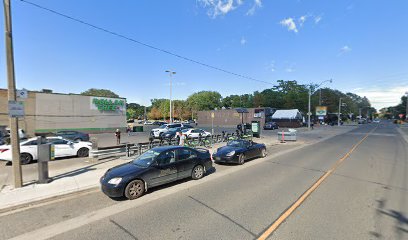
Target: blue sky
(361, 45)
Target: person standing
(182, 139)
(117, 135)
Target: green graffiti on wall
(108, 104)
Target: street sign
(212, 115)
(22, 93)
(16, 109)
(321, 111)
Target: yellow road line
(306, 194)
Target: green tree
(204, 100)
(100, 93)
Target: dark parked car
(172, 133)
(155, 167)
(237, 151)
(271, 126)
(73, 135)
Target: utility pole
(320, 97)
(171, 109)
(11, 82)
(308, 109)
(144, 117)
(339, 114)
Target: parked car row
(63, 148)
(166, 164)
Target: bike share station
(46, 153)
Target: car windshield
(235, 143)
(162, 126)
(185, 130)
(146, 158)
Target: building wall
(58, 111)
(47, 112)
(28, 122)
(229, 117)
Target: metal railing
(134, 149)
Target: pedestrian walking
(128, 130)
(117, 135)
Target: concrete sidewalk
(84, 176)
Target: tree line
(283, 95)
(395, 111)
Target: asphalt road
(364, 197)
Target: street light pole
(11, 82)
(338, 115)
(171, 108)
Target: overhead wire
(142, 43)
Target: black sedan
(271, 126)
(155, 167)
(237, 151)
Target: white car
(62, 148)
(157, 132)
(195, 133)
(148, 123)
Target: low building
(288, 118)
(48, 112)
(232, 117)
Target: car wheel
(134, 189)
(25, 158)
(198, 172)
(83, 152)
(241, 159)
(263, 152)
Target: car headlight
(230, 154)
(115, 181)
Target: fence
(134, 149)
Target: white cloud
(382, 97)
(290, 24)
(257, 4)
(302, 20)
(243, 41)
(317, 19)
(289, 69)
(223, 7)
(345, 49)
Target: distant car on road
(155, 167)
(237, 151)
(63, 148)
(362, 121)
(376, 120)
(73, 135)
(148, 123)
(270, 126)
(195, 133)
